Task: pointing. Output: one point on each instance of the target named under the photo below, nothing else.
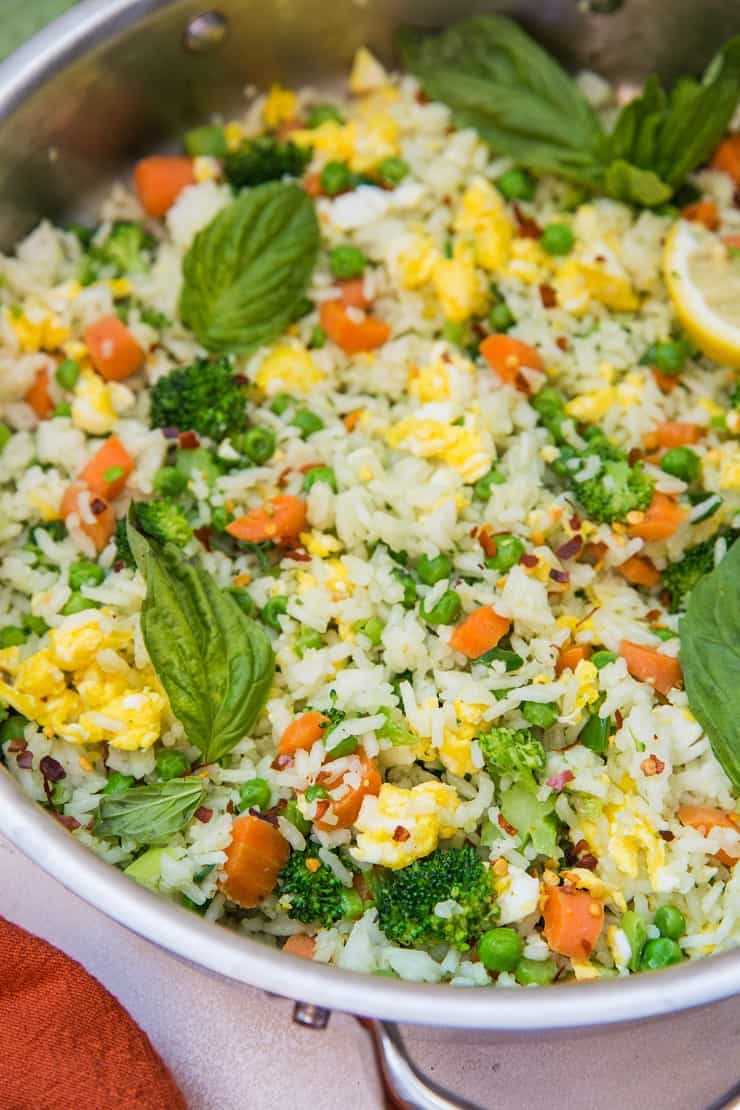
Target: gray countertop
(233, 1047)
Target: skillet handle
(406, 1088)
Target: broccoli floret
(125, 251)
(264, 159)
(618, 489)
(680, 577)
(407, 899)
(163, 520)
(125, 554)
(309, 891)
(512, 751)
(204, 397)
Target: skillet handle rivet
(315, 1017)
(205, 31)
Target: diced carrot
(726, 157)
(660, 520)
(666, 383)
(302, 733)
(39, 397)
(312, 184)
(353, 292)
(102, 527)
(648, 665)
(706, 818)
(353, 336)
(673, 433)
(113, 460)
(703, 212)
(114, 352)
(352, 419)
(280, 519)
(507, 356)
(639, 571)
(253, 860)
(570, 656)
(573, 920)
(479, 632)
(346, 808)
(159, 182)
(300, 945)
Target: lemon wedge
(703, 281)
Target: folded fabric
(65, 1042)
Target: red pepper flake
(504, 824)
(321, 808)
(582, 856)
(575, 522)
(400, 833)
(280, 762)
(203, 536)
(487, 542)
(618, 718)
(284, 475)
(271, 818)
(667, 835)
(188, 440)
(527, 227)
(548, 296)
(98, 506)
(25, 759)
(203, 814)
(309, 466)
(634, 456)
(561, 576)
(230, 807)
(652, 765)
(298, 555)
(653, 615)
(17, 745)
(570, 548)
(52, 769)
(557, 782)
(529, 560)
(563, 342)
(70, 823)
(241, 379)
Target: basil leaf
(215, 663)
(497, 80)
(247, 270)
(710, 659)
(149, 814)
(632, 185)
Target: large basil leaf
(710, 659)
(215, 663)
(247, 270)
(150, 814)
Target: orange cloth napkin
(66, 1042)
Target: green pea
(538, 972)
(500, 949)
(85, 573)
(336, 177)
(280, 403)
(293, 814)
(319, 474)
(635, 930)
(220, 518)
(431, 571)
(482, 488)
(171, 764)
(595, 733)
(208, 141)
(61, 410)
(348, 746)
(409, 589)
(308, 639)
(307, 422)
(516, 185)
(170, 481)
(36, 625)
(509, 550)
(118, 784)
(392, 171)
(669, 356)
(254, 794)
(316, 793)
(5, 434)
(317, 338)
(12, 636)
(446, 611)
(12, 728)
(275, 607)
(77, 604)
(324, 113)
(243, 598)
(670, 922)
(501, 318)
(455, 331)
(557, 239)
(603, 658)
(352, 904)
(347, 262)
(542, 714)
(259, 444)
(661, 952)
(67, 373)
(682, 463)
(371, 628)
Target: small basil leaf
(635, 186)
(710, 659)
(247, 270)
(149, 814)
(215, 663)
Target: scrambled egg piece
(482, 219)
(399, 826)
(729, 473)
(320, 544)
(459, 447)
(528, 262)
(454, 751)
(46, 333)
(441, 382)
(592, 407)
(416, 263)
(364, 141)
(288, 368)
(459, 287)
(629, 836)
(280, 105)
(92, 407)
(598, 277)
(82, 688)
(367, 74)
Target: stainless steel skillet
(115, 78)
